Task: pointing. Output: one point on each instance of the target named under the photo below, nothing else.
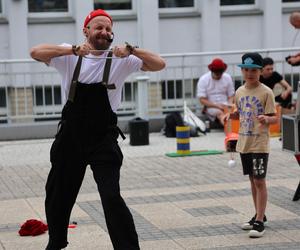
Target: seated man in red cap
(215, 90)
(92, 80)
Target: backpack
(171, 121)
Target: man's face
(267, 71)
(217, 75)
(296, 22)
(98, 31)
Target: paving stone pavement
(177, 203)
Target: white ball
(231, 163)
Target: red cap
(217, 65)
(94, 13)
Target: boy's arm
(268, 119)
(234, 115)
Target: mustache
(108, 38)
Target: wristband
(130, 48)
(75, 48)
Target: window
(2, 98)
(3, 111)
(47, 104)
(35, 6)
(239, 5)
(291, 4)
(172, 89)
(47, 96)
(0, 7)
(128, 94)
(113, 4)
(175, 3)
(236, 2)
(170, 8)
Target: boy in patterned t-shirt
(256, 110)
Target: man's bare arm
(151, 61)
(204, 101)
(45, 52)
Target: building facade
(194, 30)
(165, 26)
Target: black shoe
(258, 230)
(50, 247)
(54, 248)
(249, 225)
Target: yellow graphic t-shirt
(253, 136)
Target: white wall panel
(241, 32)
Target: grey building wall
(207, 27)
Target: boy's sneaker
(249, 225)
(258, 230)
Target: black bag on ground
(171, 121)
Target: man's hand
(83, 49)
(226, 117)
(293, 60)
(121, 51)
(222, 107)
(285, 94)
(234, 116)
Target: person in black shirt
(271, 78)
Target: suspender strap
(104, 80)
(121, 133)
(75, 79)
(107, 71)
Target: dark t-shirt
(272, 80)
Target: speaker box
(290, 133)
(139, 132)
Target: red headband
(94, 13)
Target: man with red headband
(215, 90)
(88, 132)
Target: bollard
(183, 140)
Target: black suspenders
(104, 80)
(107, 71)
(74, 79)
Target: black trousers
(71, 152)
(284, 103)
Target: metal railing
(30, 91)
